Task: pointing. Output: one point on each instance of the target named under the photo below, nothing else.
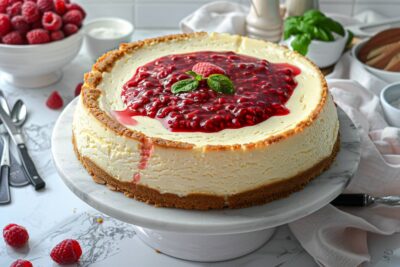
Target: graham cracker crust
(198, 201)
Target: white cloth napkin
(338, 237)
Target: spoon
(18, 116)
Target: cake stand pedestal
(205, 235)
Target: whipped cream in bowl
(105, 34)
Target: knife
(5, 196)
(364, 200)
(26, 160)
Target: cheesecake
(205, 121)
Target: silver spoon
(18, 115)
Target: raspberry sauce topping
(261, 90)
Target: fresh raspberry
(205, 69)
(14, 9)
(15, 235)
(5, 24)
(13, 38)
(70, 29)
(30, 12)
(51, 21)
(3, 6)
(78, 89)
(54, 101)
(73, 17)
(20, 24)
(60, 7)
(38, 36)
(74, 6)
(67, 252)
(21, 263)
(45, 5)
(57, 35)
(10, 2)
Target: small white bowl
(388, 95)
(324, 54)
(388, 76)
(33, 66)
(97, 44)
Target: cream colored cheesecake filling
(301, 104)
(182, 172)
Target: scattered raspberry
(13, 38)
(15, 235)
(206, 69)
(30, 12)
(51, 21)
(21, 263)
(38, 36)
(70, 29)
(78, 89)
(20, 24)
(60, 7)
(45, 5)
(67, 252)
(74, 6)
(73, 17)
(5, 24)
(57, 35)
(3, 6)
(14, 9)
(55, 101)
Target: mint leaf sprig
(218, 82)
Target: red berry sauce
(261, 91)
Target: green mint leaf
(220, 84)
(290, 27)
(195, 75)
(324, 35)
(184, 86)
(331, 25)
(312, 14)
(300, 43)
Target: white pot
(33, 66)
(323, 54)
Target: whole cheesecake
(205, 121)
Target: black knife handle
(5, 196)
(351, 200)
(30, 168)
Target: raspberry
(3, 6)
(45, 5)
(70, 29)
(30, 12)
(21, 263)
(60, 7)
(5, 24)
(74, 6)
(206, 69)
(67, 252)
(20, 24)
(13, 38)
(51, 21)
(78, 89)
(38, 36)
(55, 101)
(10, 2)
(57, 35)
(14, 9)
(37, 25)
(15, 235)
(73, 17)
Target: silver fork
(5, 196)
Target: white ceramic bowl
(388, 95)
(324, 54)
(33, 66)
(388, 76)
(97, 45)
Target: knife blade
(18, 139)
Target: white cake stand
(205, 235)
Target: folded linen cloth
(338, 237)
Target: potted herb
(316, 36)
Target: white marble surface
(56, 213)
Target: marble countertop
(56, 213)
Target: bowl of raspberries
(37, 39)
